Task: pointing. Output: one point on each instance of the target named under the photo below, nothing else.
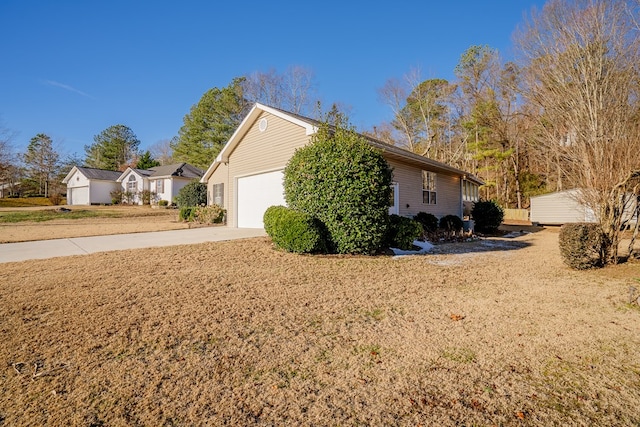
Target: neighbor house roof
(311, 127)
(184, 170)
(140, 172)
(93, 173)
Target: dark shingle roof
(105, 175)
(179, 169)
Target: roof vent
(262, 125)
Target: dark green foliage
(192, 194)
(163, 203)
(428, 221)
(294, 231)
(345, 182)
(114, 149)
(583, 245)
(146, 161)
(403, 231)
(487, 216)
(187, 213)
(210, 124)
(451, 223)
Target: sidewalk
(42, 249)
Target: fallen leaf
(520, 415)
(456, 317)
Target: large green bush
(344, 182)
(428, 221)
(294, 231)
(583, 245)
(403, 231)
(487, 216)
(192, 194)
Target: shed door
(255, 194)
(78, 196)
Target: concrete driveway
(41, 249)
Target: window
(469, 191)
(428, 188)
(160, 186)
(218, 194)
(132, 185)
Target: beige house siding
(409, 179)
(261, 152)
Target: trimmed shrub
(344, 182)
(213, 214)
(294, 231)
(192, 194)
(163, 203)
(583, 245)
(403, 231)
(147, 196)
(451, 223)
(187, 213)
(55, 199)
(428, 221)
(487, 216)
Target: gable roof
(311, 126)
(140, 172)
(93, 173)
(184, 170)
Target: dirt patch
(236, 333)
(125, 219)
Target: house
(247, 176)
(90, 186)
(86, 186)
(564, 207)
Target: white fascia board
(69, 175)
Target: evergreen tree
(115, 148)
(210, 124)
(145, 161)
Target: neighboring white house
(565, 207)
(86, 186)
(90, 186)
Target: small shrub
(583, 245)
(116, 197)
(129, 197)
(403, 231)
(147, 197)
(487, 216)
(187, 213)
(213, 214)
(451, 224)
(55, 199)
(163, 203)
(192, 194)
(294, 231)
(428, 221)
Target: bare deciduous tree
(292, 90)
(580, 58)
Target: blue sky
(73, 68)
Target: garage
(78, 195)
(255, 194)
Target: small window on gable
(132, 185)
(429, 196)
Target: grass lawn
(496, 332)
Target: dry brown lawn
(127, 219)
(496, 332)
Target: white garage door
(78, 196)
(255, 194)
